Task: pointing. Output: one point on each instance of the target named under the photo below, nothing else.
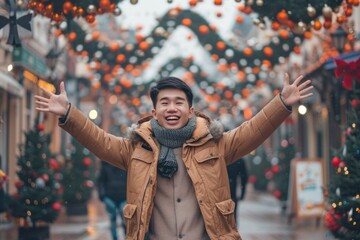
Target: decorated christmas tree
(78, 178)
(281, 169)
(37, 200)
(343, 215)
(259, 169)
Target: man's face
(172, 110)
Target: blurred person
(237, 171)
(176, 158)
(112, 192)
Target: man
(177, 184)
(112, 192)
(236, 171)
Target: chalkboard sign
(306, 198)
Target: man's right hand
(56, 104)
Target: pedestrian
(112, 192)
(237, 171)
(177, 184)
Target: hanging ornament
(117, 11)
(87, 161)
(56, 206)
(332, 221)
(40, 183)
(23, 21)
(169, 1)
(91, 9)
(40, 127)
(259, 3)
(355, 103)
(134, 1)
(335, 161)
(337, 192)
(311, 11)
(326, 11)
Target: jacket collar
(205, 128)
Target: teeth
(172, 118)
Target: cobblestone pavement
(260, 218)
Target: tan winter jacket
(206, 155)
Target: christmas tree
(78, 175)
(38, 192)
(281, 169)
(343, 215)
(259, 169)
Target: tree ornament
(260, 3)
(117, 11)
(133, 1)
(40, 127)
(91, 9)
(332, 221)
(40, 183)
(87, 161)
(169, 1)
(326, 11)
(311, 11)
(336, 161)
(56, 206)
(277, 194)
(355, 103)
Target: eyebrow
(168, 98)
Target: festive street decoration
(37, 200)
(343, 217)
(134, 57)
(350, 71)
(298, 15)
(24, 21)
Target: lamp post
(339, 38)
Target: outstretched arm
(293, 93)
(56, 104)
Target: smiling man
(177, 181)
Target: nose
(172, 107)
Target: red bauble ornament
(332, 221)
(40, 127)
(277, 194)
(355, 103)
(87, 161)
(56, 206)
(19, 184)
(252, 179)
(53, 164)
(336, 161)
(275, 168)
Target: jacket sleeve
(249, 135)
(115, 150)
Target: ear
(153, 113)
(191, 112)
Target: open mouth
(172, 118)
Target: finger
(304, 84)
(47, 92)
(306, 95)
(43, 104)
(40, 98)
(42, 109)
(286, 82)
(299, 78)
(62, 88)
(306, 90)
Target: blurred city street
(260, 219)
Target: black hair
(171, 83)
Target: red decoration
(252, 179)
(277, 194)
(19, 184)
(332, 221)
(53, 164)
(56, 206)
(275, 168)
(349, 70)
(87, 161)
(336, 161)
(40, 127)
(45, 177)
(355, 103)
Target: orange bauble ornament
(282, 16)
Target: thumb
(62, 88)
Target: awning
(10, 85)
(348, 57)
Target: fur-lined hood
(204, 126)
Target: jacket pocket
(225, 216)
(130, 217)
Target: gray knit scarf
(170, 139)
